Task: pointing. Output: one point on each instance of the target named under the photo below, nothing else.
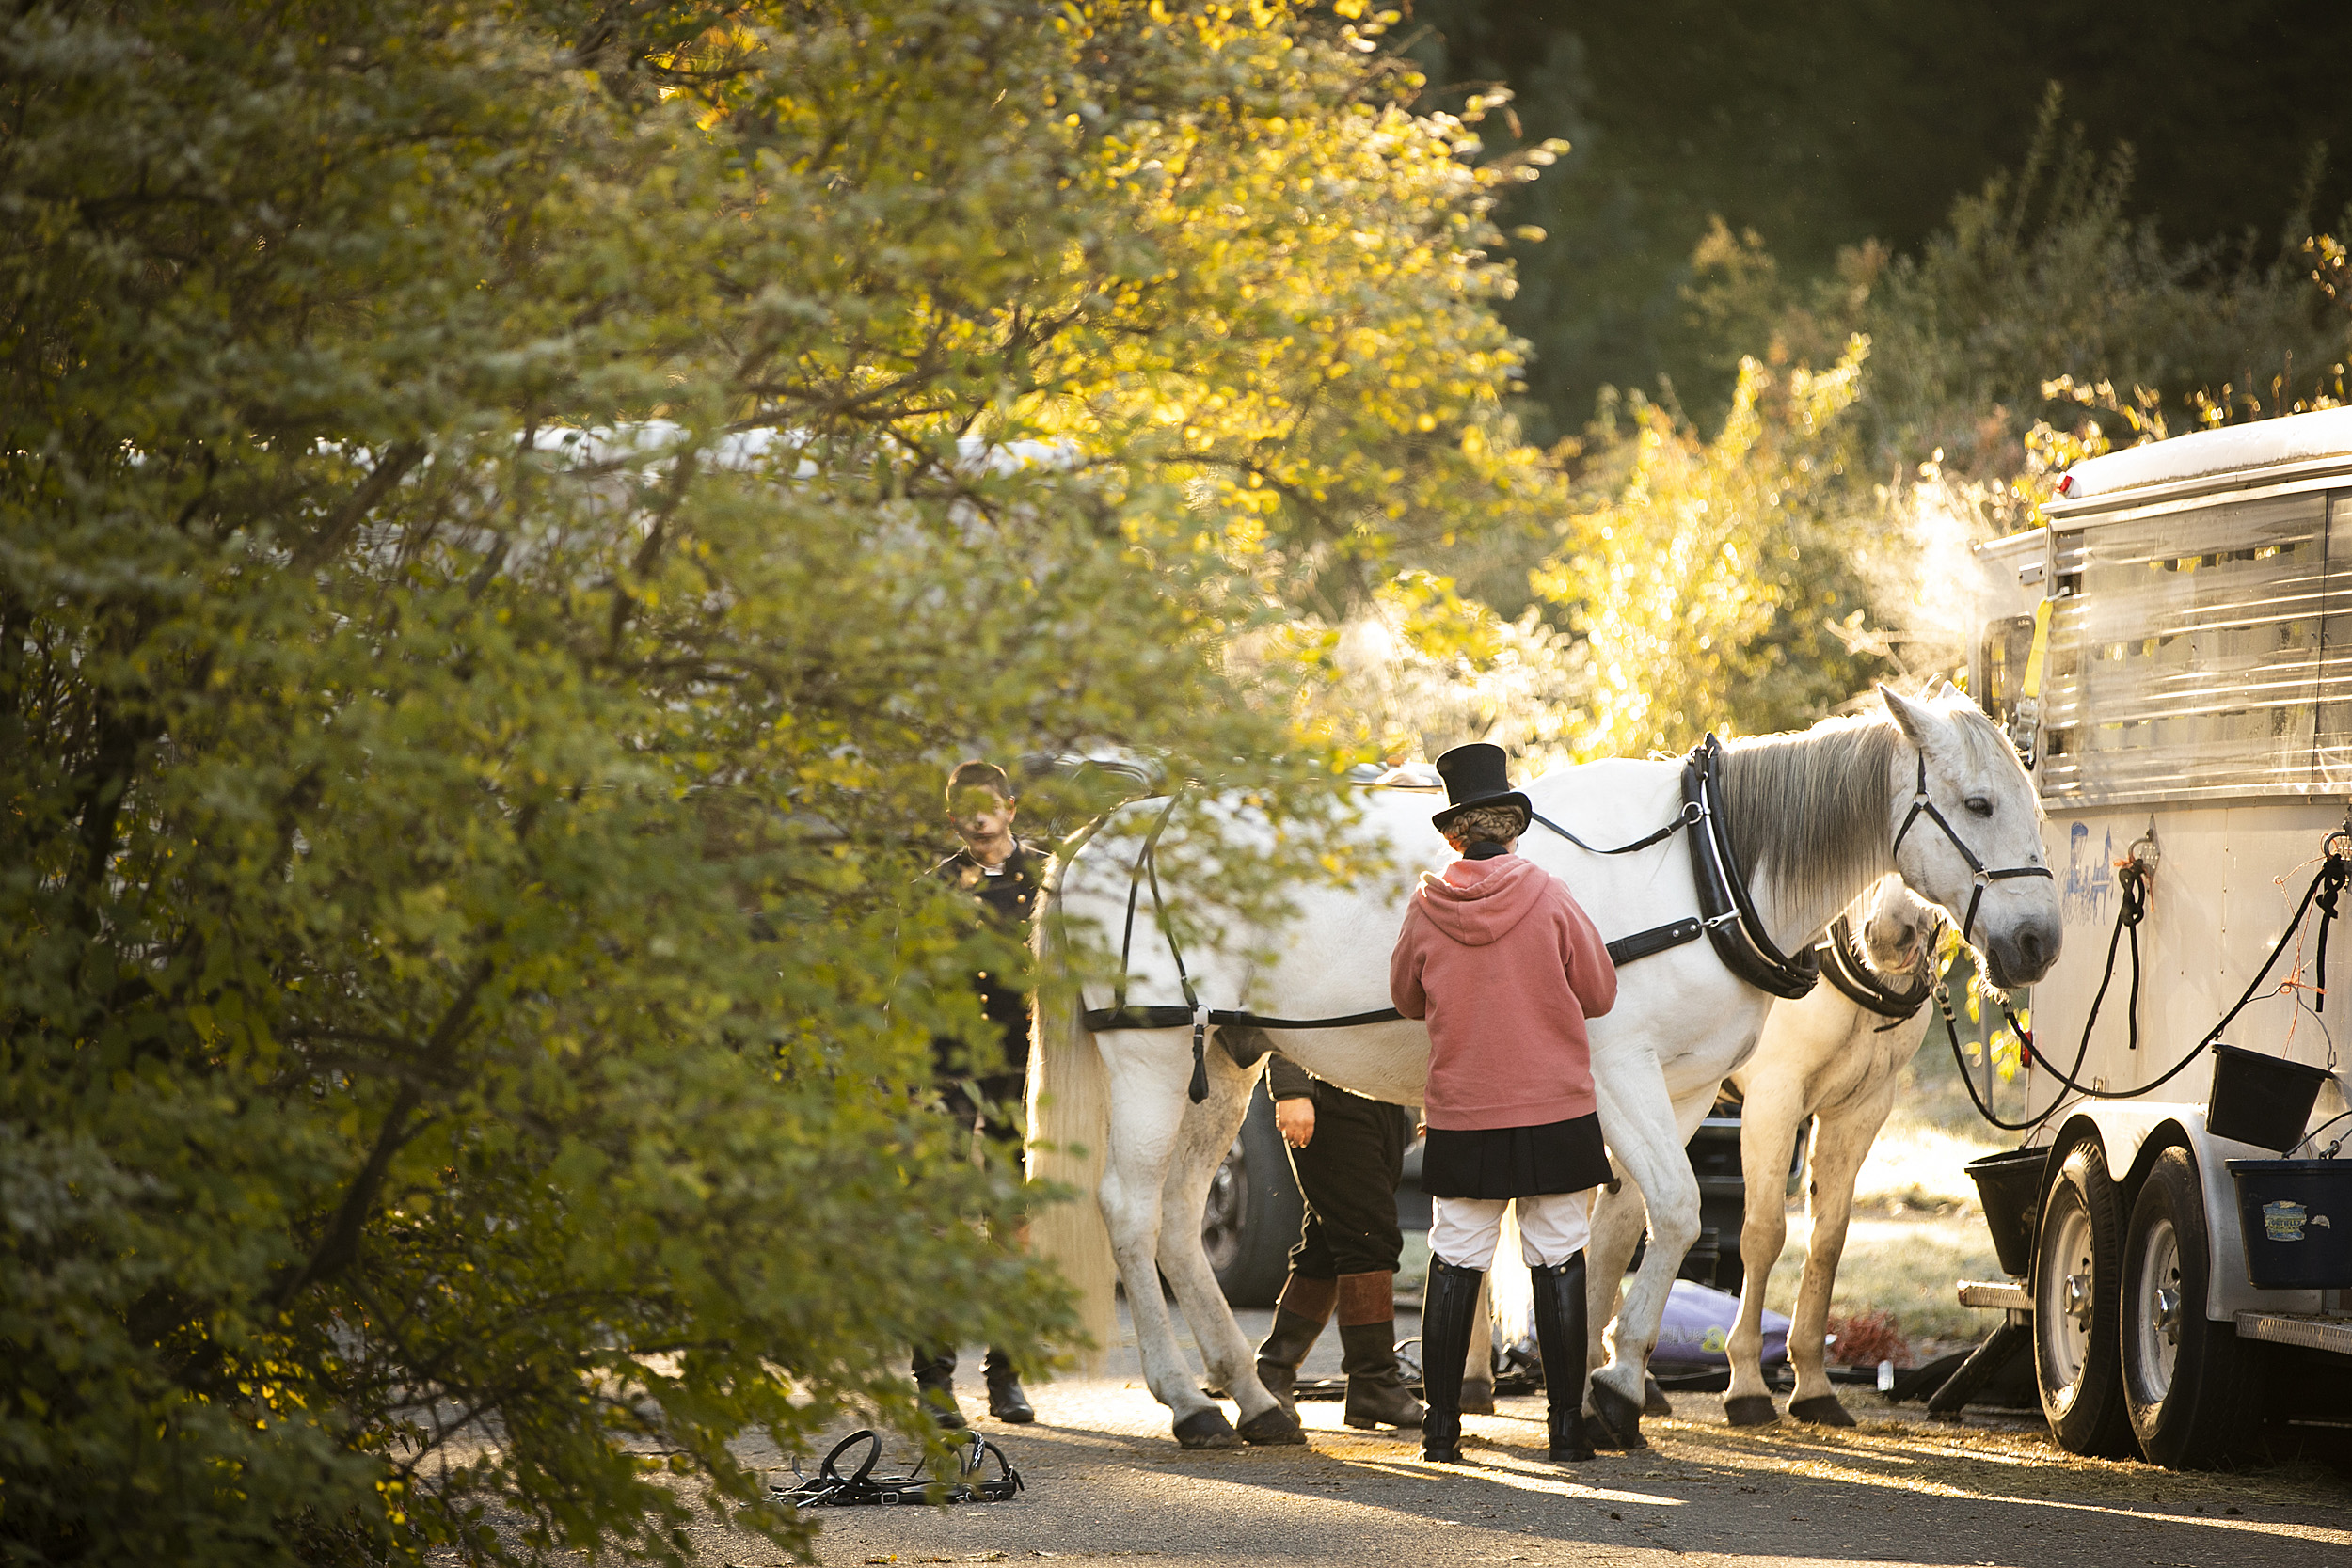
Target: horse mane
(1809, 809)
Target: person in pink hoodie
(1507, 966)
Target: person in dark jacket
(1347, 1152)
(1507, 966)
(1003, 875)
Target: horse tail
(1068, 1117)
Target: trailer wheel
(2192, 1388)
(2078, 1256)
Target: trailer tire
(2194, 1389)
(2079, 1265)
(1254, 1212)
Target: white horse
(1837, 1059)
(1932, 790)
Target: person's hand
(1295, 1120)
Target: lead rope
(2325, 887)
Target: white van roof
(2262, 444)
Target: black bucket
(2010, 1185)
(2297, 1219)
(2259, 1100)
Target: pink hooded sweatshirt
(1507, 967)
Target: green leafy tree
(1705, 580)
(1806, 544)
(506, 511)
(2044, 272)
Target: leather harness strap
(1724, 908)
(1842, 964)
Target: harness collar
(1841, 960)
(1726, 909)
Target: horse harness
(1727, 917)
(1841, 962)
(830, 1488)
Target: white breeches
(1553, 1228)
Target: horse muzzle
(2024, 953)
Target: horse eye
(1980, 806)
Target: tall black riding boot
(1006, 1401)
(1560, 1334)
(1449, 1303)
(935, 1383)
(1299, 1314)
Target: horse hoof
(1750, 1410)
(1478, 1397)
(1273, 1428)
(1654, 1400)
(1207, 1429)
(1821, 1410)
(1616, 1420)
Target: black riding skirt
(1515, 1161)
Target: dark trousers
(998, 1113)
(1348, 1173)
(1001, 1084)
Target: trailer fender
(2132, 1133)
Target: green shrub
(465, 977)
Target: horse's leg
(1637, 1116)
(1203, 1138)
(1618, 1217)
(1768, 1117)
(1841, 1141)
(1149, 1072)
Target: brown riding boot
(1299, 1314)
(1376, 1389)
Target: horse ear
(1948, 690)
(1917, 723)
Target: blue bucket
(2296, 1216)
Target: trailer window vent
(2202, 653)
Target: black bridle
(1922, 806)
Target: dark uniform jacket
(1008, 897)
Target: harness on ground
(1728, 918)
(830, 1488)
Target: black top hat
(1477, 774)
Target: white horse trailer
(2173, 649)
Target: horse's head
(1959, 793)
(1897, 927)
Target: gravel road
(1107, 1481)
